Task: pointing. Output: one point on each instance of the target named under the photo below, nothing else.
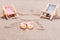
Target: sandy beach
(30, 9)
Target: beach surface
(29, 10)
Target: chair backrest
(51, 8)
(9, 10)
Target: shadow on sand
(56, 18)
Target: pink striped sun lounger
(8, 11)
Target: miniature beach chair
(50, 11)
(9, 11)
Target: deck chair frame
(54, 12)
(4, 13)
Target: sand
(30, 10)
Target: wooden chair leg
(41, 16)
(51, 17)
(6, 17)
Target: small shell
(23, 25)
(30, 25)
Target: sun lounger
(50, 11)
(9, 11)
